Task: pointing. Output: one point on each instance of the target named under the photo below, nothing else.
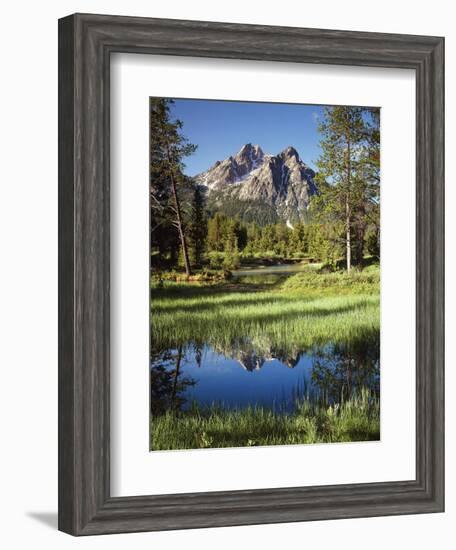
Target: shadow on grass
(285, 317)
(231, 303)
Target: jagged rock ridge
(282, 182)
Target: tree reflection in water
(340, 370)
(167, 382)
(332, 373)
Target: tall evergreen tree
(215, 232)
(168, 148)
(345, 168)
(372, 178)
(198, 226)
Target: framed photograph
(261, 332)
(251, 274)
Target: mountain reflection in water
(248, 374)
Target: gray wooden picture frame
(85, 45)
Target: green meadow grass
(304, 310)
(357, 419)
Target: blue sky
(221, 128)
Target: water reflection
(339, 370)
(252, 356)
(168, 383)
(249, 373)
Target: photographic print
(264, 274)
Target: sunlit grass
(305, 310)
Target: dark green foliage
(373, 241)
(231, 258)
(223, 230)
(168, 147)
(197, 228)
(216, 232)
(348, 180)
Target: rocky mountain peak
(281, 184)
(290, 152)
(249, 152)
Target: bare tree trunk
(180, 228)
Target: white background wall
(28, 272)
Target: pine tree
(168, 147)
(198, 226)
(228, 254)
(344, 179)
(372, 177)
(236, 258)
(215, 232)
(231, 258)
